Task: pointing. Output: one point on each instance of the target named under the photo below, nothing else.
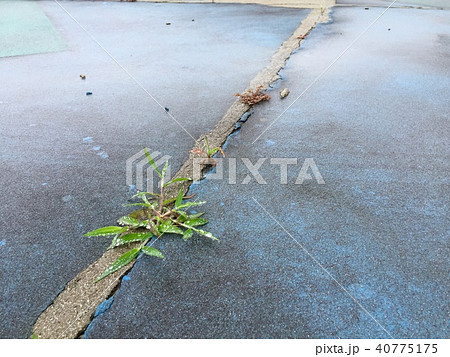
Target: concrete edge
(73, 309)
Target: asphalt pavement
(361, 254)
(63, 150)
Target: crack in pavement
(74, 308)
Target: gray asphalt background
(63, 153)
(377, 126)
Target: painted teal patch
(26, 30)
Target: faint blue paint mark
(44, 184)
(104, 306)
(246, 115)
(101, 309)
(88, 139)
(126, 278)
(131, 188)
(67, 198)
(33, 124)
(270, 142)
(2, 242)
(222, 204)
(96, 148)
(360, 291)
(103, 155)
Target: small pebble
(168, 23)
(284, 93)
(82, 76)
(88, 93)
(166, 109)
(366, 8)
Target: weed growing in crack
(209, 160)
(252, 97)
(158, 215)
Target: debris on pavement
(88, 93)
(284, 93)
(252, 97)
(82, 76)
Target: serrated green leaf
(152, 162)
(183, 215)
(212, 151)
(188, 234)
(152, 252)
(163, 172)
(128, 221)
(144, 223)
(170, 200)
(116, 237)
(104, 231)
(191, 204)
(203, 233)
(196, 222)
(168, 227)
(137, 204)
(195, 215)
(177, 180)
(120, 262)
(153, 228)
(148, 193)
(133, 237)
(206, 143)
(143, 197)
(179, 197)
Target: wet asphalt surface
(63, 152)
(364, 255)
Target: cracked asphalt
(364, 255)
(63, 153)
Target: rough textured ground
(376, 125)
(63, 153)
(384, 3)
(72, 311)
